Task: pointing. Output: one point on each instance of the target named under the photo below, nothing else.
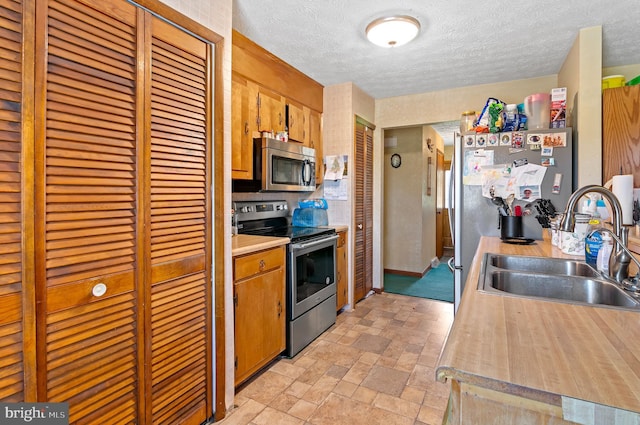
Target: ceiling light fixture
(393, 31)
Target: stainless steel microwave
(280, 167)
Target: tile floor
(376, 365)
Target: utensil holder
(510, 227)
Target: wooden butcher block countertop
(246, 244)
(542, 349)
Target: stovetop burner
(270, 218)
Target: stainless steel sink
(543, 265)
(552, 279)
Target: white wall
(403, 209)
(581, 73)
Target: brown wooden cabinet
(279, 85)
(342, 279)
(621, 132)
(259, 300)
(297, 123)
(315, 141)
(271, 111)
(106, 297)
(244, 122)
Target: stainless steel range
(311, 268)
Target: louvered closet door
(363, 210)
(86, 243)
(15, 276)
(180, 224)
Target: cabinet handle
(261, 265)
(279, 308)
(280, 118)
(292, 120)
(99, 290)
(246, 127)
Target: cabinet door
(621, 133)
(242, 127)
(315, 141)
(179, 218)
(341, 267)
(296, 123)
(259, 321)
(271, 111)
(87, 227)
(17, 324)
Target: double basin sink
(552, 279)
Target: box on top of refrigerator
(558, 107)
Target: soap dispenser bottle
(604, 253)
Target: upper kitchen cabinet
(297, 123)
(244, 122)
(314, 139)
(621, 132)
(285, 99)
(271, 111)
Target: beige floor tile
(302, 409)
(342, 410)
(321, 389)
(376, 365)
(421, 377)
(266, 387)
(270, 416)
(369, 358)
(357, 373)
(430, 416)
(412, 394)
(243, 414)
(371, 343)
(284, 402)
(298, 389)
(386, 380)
(345, 388)
(287, 369)
(396, 405)
(364, 395)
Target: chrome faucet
(629, 284)
(621, 258)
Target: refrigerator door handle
(450, 265)
(451, 195)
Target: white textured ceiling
(462, 42)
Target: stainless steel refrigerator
(472, 215)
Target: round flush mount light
(393, 31)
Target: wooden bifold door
(105, 217)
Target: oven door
(312, 274)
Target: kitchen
(413, 110)
(381, 112)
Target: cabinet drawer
(259, 262)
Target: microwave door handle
(305, 180)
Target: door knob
(360, 226)
(99, 290)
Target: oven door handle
(314, 243)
